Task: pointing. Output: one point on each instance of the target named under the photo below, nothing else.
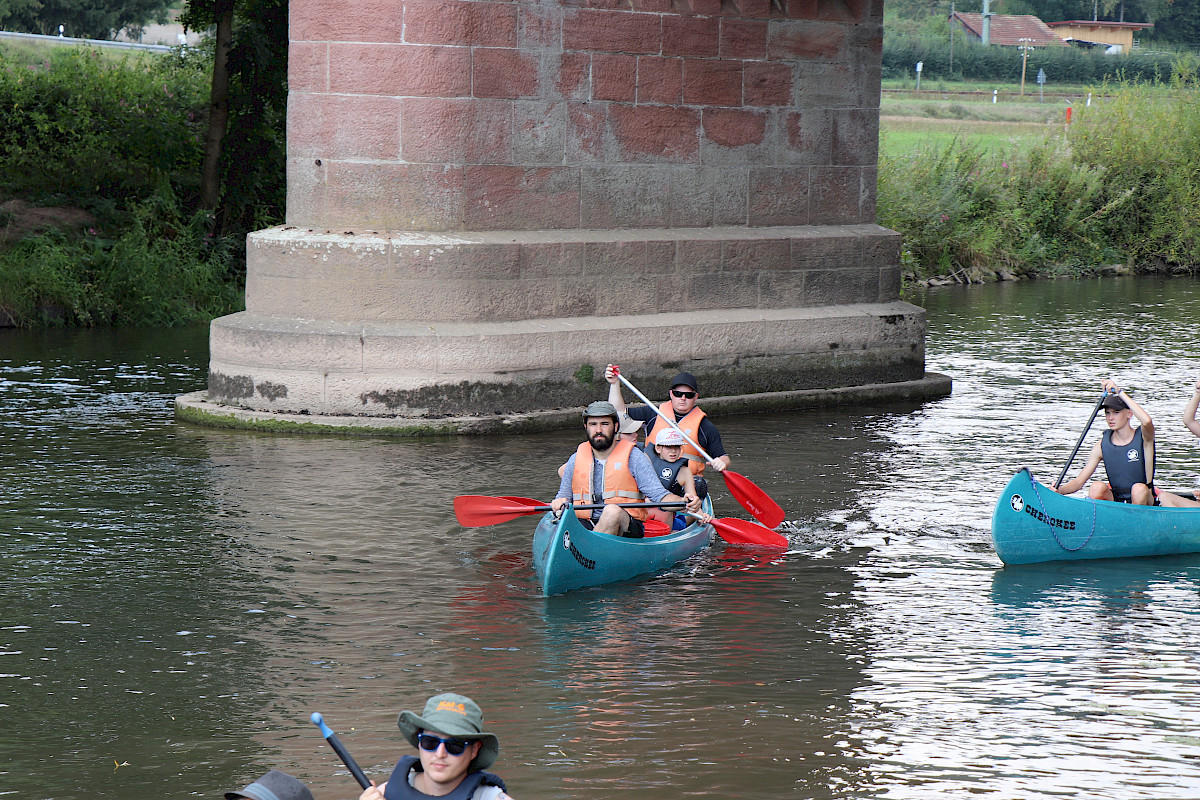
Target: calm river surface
(177, 601)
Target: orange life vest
(690, 425)
(619, 484)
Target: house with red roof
(1009, 30)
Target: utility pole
(952, 23)
(986, 35)
(1024, 60)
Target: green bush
(1122, 185)
(973, 61)
(79, 127)
(163, 269)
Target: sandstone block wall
(444, 115)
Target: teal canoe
(1032, 523)
(568, 556)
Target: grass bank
(98, 199)
(1120, 185)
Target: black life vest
(667, 471)
(1126, 465)
(399, 789)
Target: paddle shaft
(1078, 444)
(341, 751)
(666, 419)
(594, 506)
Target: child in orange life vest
(672, 469)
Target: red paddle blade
(477, 510)
(521, 501)
(740, 531)
(753, 499)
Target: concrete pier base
(197, 408)
(487, 202)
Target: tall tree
(243, 176)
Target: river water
(177, 601)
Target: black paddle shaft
(1075, 452)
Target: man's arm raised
(614, 388)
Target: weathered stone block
(458, 130)
(779, 196)
(686, 35)
(614, 77)
(460, 22)
(836, 195)
(692, 193)
(743, 38)
(330, 20)
(806, 40)
(712, 82)
(655, 133)
(521, 198)
(574, 76)
(316, 126)
(659, 80)
(504, 72)
(767, 84)
(308, 67)
(539, 135)
(723, 290)
(855, 136)
(400, 70)
(756, 255)
(619, 197)
(736, 136)
(612, 31)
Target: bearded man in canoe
(612, 472)
(1127, 453)
(682, 408)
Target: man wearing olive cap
(453, 752)
(603, 470)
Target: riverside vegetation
(1119, 186)
(111, 150)
(100, 214)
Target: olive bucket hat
(452, 715)
(275, 785)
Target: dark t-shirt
(710, 437)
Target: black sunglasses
(687, 395)
(455, 747)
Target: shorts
(637, 529)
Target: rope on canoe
(1054, 530)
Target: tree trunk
(218, 109)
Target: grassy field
(910, 122)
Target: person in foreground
(1127, 453)
(453, 751)
(605, 470)
(683, 411)
(275, 785)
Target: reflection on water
(177, 601)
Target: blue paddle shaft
(341, 751)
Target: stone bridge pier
(488, 200)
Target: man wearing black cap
(682, 408)
(1127, 453)
(603, 470)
